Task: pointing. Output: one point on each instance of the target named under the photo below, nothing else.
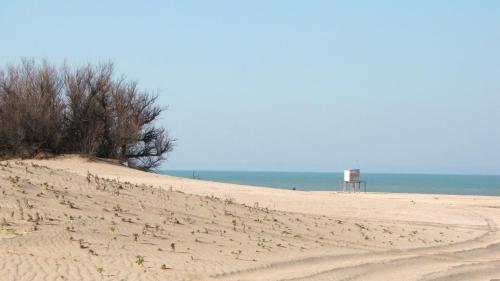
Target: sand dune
(73, 219)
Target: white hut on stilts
(352, 181)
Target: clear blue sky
(294, 85)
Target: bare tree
(87, 90)
(31, 109)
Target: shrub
(81, 110)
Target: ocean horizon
(332, 181)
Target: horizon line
(326, 172)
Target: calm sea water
(405, 183)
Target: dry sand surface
(73, 219)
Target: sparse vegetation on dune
(49, 110)
(117, 229)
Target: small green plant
(12, 231)
(100, 270)
(136, 236)
(4, 223)
(139, 260)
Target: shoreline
(333, 191)
(385, 185)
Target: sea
(376, 182)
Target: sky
(386, 86)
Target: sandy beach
(70, 218)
